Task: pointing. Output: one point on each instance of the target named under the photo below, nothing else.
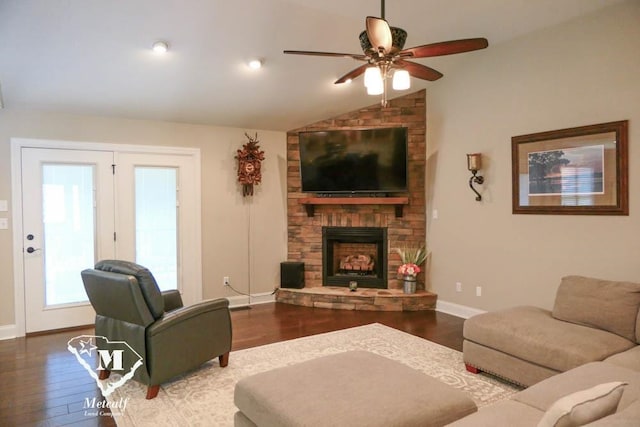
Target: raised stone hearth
(362, 299)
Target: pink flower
(409, 269)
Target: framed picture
(577, 171)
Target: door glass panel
(156, 220)
(69, 229)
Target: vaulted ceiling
(93, 57)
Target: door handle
(32, 249)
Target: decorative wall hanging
(578, 171)
(249, 166)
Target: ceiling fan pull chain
(382, 9)
(385, 70)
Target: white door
(81, 205)
(68, 223)
(157, 218)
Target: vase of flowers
(411, 259)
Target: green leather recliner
(170, 338)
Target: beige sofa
(564, 396)
(589, 339)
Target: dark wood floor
(42, 384)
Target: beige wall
(580, 73)
(583, 72)
(241, 238)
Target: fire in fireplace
(354, 254)
(360, 264)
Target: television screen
(354, 161)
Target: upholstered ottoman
(355, 388)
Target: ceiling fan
(383, 52)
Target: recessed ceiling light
(160, 47)
(255, 64)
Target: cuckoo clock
(249, 169)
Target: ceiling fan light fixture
(372, 77)
(401, 80)
(383, 51)
(376, 88)
(255, 64)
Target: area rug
(205, 397)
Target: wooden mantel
(310, 202)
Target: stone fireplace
(357, 258)
(354, 254)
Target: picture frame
(575, 171)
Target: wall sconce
(474, 164)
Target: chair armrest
(187, 337)
(172, 300)
(186, 313)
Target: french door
(80, 206)
(156, 200)
(68, 223)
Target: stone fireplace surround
(305, 232)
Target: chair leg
(224, 359)
(104, 374)
(472, 369)
(152, 391)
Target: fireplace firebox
(354, 254)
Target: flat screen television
(370, 161)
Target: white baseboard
(244, 300)
(457, 309)
(7, 332)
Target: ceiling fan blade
(343, 55)
(379, 34)
(444, 48)
(418, 70)
(352, 74)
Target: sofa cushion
(531, 334)
(627, 417)
(604, 304)
(547, 392)
(628, 359)
(584, 406)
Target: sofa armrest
(172, 300)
